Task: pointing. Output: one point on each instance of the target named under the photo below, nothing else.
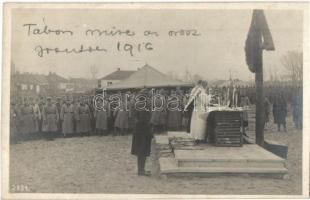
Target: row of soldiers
(271, 92)
(87, 114)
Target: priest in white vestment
(198, 124)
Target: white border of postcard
(206, 5)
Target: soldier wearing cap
(174, 116)
(82, 116)
(67, 118)
(58, 106)
(130, 106)
(13, 123)
(27, 120)
(101, 114)
(37, 115)
(50, 119)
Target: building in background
(81, 85)
(114, 77)
(29, 84)
(56, 84)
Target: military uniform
(67, 117)
(50, 119)
(82, 117)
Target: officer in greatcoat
(142, 135)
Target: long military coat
(50, 118)
(67, 117)
(142, 135)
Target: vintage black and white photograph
(182, 100)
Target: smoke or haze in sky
(220, 47)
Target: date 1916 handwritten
(130, 48)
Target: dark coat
(142, 135)
(297, 108)
(279, 111)
(188, 113)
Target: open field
(103, 164)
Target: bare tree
(293, 63)
(94, 71)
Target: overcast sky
(218, 49)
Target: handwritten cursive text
(41, 51)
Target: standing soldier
(18, 108)
(75, 104)
(245, 103)
(185, 115)
(156, 111)
(88, 102)
(174, 119)
(82, 117)
(58, 106)
(266, 110)
(297, 109)
(13, 124)
(41, 105)
(111, 117)
(50, 119)
(163, 113)
(37, 115)
(121, 119)
(101, 116)
(67, 117)
(142, 136)
(27, 124)
(280, 111)
(131, 107)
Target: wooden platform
(249, 159)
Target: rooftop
(30, 78)
(118, 75)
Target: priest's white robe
(199, 117)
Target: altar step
(249, 159)
(168, 166)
